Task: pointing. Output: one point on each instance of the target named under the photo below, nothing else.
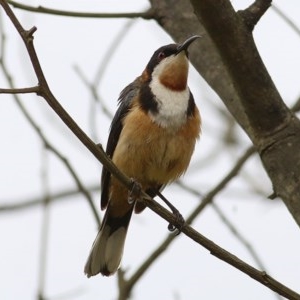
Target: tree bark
(229, 61)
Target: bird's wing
(125, 102)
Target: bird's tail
(107, 250)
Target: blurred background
(46, 223)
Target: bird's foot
(135, 191)
(179, 218)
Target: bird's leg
(175, 211)
(135, 191)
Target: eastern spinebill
(152, 138)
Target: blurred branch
(118, 39)
(45, 92)
(147, 15)
(286, 19)
(93, 89)
(32, 202)
(70, 294)
(62, 158)
(48, 145)
(126, 285)
(239, 236)
(222, 254)
(94, 85)
(44, 237)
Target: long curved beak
(187, 43)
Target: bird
(152, 138)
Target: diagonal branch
(46, 93)
(214, 249)
(127, 284)
(285, 18)
(48, 145)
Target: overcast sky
(185, 270)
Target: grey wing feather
(125, 102)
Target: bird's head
(169, 65)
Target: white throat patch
(172, 105)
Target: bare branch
(254, 12)
(242, 239)
(147, 15)
(93, 89)
(260, 276)
(28, 90)
(93, 86)
(46, 93)
(48, 145)
(205, 201)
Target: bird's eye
(161, 55)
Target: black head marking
(159, 55)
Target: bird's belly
(152, 154)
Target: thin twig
(128, 284)
(111, 49)
(242, 240)
(286, 19)
(34, 201)
(93, 89)
(46, 93)
(147, 15)
(44, 238)
(50, 147)
(225, 220)
(222, 254)
(94, 85)
(48, 144)
(206, 200)
(27, 90)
